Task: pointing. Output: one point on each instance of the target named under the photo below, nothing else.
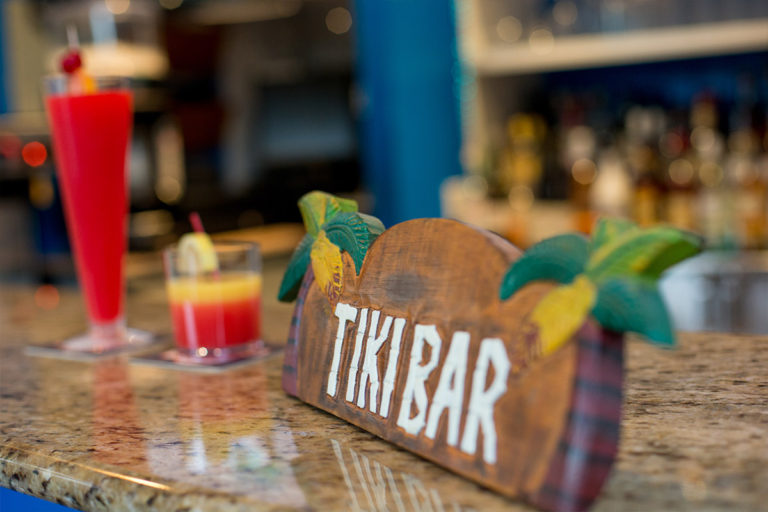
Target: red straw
(197, 224)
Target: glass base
(109, 338)
(220, 355)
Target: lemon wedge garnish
(197, 254)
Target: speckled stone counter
(117, 436)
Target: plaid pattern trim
(290, 377)
(588, 446)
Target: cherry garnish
(71, 62)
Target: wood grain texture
(433, 271)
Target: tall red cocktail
(91, 130)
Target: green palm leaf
(634, 305)
(560, 258)
(646, 253)
(689, 246)
(317, 208)
(608, 229)
(343, 226)
(353, 233)
(297, 267)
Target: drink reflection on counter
(118, 436)
(224, 438)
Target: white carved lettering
(391, 372)
(482, 401)
(345, 313)
(450, 389)
(415, 388)
(370, 361)
(353, 366)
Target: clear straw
(73, 41)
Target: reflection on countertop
(723, 291)
(113, 435)
(110, 434)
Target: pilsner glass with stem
(91, 122)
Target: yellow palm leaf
(562, 312)
(327, 266)
(317, 208)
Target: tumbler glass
(216, 314)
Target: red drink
(213, 312)
(91, 133)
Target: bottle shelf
(620, 48)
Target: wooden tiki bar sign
(449, 342)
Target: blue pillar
(410, 130)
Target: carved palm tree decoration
(613, 277)
(333, 224)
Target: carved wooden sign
(445, 340)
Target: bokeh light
(10, 145)
(541, 41)
(703, 138)
(41, 192)
(170, 4)
(584, 171)
(520, 198)
(509, 29)
(711, 174)
(118, 6)
(47, 297)
(565, 13)
(34, 154)
(681, 171)
(169, 190)
(338, 20)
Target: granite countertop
(116, 436)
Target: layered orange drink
(215, 304)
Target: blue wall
(410, 129)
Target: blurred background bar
(526, 117)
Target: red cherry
(71, 62)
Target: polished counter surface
(111, 435)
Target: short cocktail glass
(216, 314)
(91, 133)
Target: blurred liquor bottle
(705, 151)
(521, 160)
(715, 206)
(648, 193)
(578, 147)
(746, 167)
(643, 128)
(520, 169)
(682, 195)
(685, 151)
(750, 188)
(680, 177)
(612, 188)
(583, 174)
